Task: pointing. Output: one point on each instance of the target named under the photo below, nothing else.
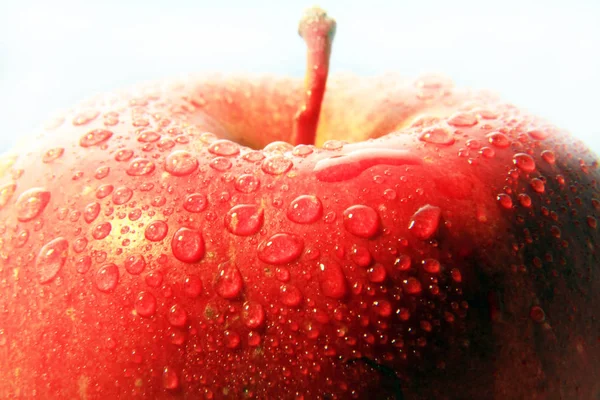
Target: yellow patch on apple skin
(86, 190)
(16, 274)
(83, 382)
(70, 312)
(6, 162)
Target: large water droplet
(156, 231)
(276, 165)
(361, 221)
(140, 167)
(253, 315)
(31, 203)
(102, 230)
(6, 193)
(177, 316)
(107, 277)
(51, 258)
(195, 202)
(52, 154)
(332, 280)
(122, 195)
(247, 183)
(224, 147)
(524, 162)
(344, 167)
(305, 209)
(229, 282)
(437, 136)
(95, 137)
(280, 248)
(180, 163)
(145, 304)
(291, 296)
(187, 245)
(425, 222)
(244, 219)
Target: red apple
(415, 240)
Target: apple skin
(449, 252)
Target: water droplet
(31, 203)
(170, 380)
(591, 221)
(499, 140)
(102, 172)
(224, 147)
(122, 195)
(6, 193)
(195, 202)
(140, 166)
(538, 185)
(487, 152)
(187, 245)
(253, 315)
(437, 136)
(332, 280)
(180, 163)
(104, 190)
(156, 231)
(231, 339)
(91, 211)
(377, 273)
(524, 162)
(361, 221)
(95, 137)
(456, 275)
(538, 134)
(548, 156)
(177, 316)
(85, 117)
(220, 164)
(145, 304)
(291, 296)
(389, 194)
(412, 286)
(52, 154)
(505, 200)
(124, 155)
(254, 156)
(361, 256)
(229, 282)
(344, 167)
(524, 199)
(51, 258)
(148, 137)
(462, 119)
(431, 265)
(80, 244)
(107, 277)
(247, 183)
(83, 264)
(425, 222)
(537, 314)
(154, 279)
(102, 230)
(302, 150)
(244, 219)
(276, 165)
(192, 286)
(305, 209)
(280, 248)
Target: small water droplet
(537, 314)
(187, 245)
(177, 316)
(280, 248)
(538, 134)
(538, 185)
(244, 219)
(192, 286)
(456, 275)
(247, 183)
(124, 155)
(548, 156)
(156, 231)
(254, 156)
(95, 137)
(101, 230)
(85, 117)
(140, 167)
(154, 279)
(229, 282)
(425, 221)
(6, 193)
(104, 191)
(431, 265)
(290, 295)
(524, 162)
(220, 164)
(51, 258)
(231, 339)
(305, 209)
(253, 315)
(148, 137)
(91, 211)
(83, 264)
(180, 163)
(52, 154)
(107, 277)
(145, 304)
(102, 172)
(302, 150)
(524, 199)
(505, 200)
(31, 203)
(80, 244)
(195, 202)
(122, 195)
(361, 221)
(224, 147)
(389, 194)
(498, 139)
(487, 152)
(332, 280)
(591, 221)
(462, 119)
(276, 165)
(412, 286)
(170, 380)
(361, 256)
(377, 273)
(437, 136)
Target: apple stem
(317, 30)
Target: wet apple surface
(429, 242)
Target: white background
(541, 55)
